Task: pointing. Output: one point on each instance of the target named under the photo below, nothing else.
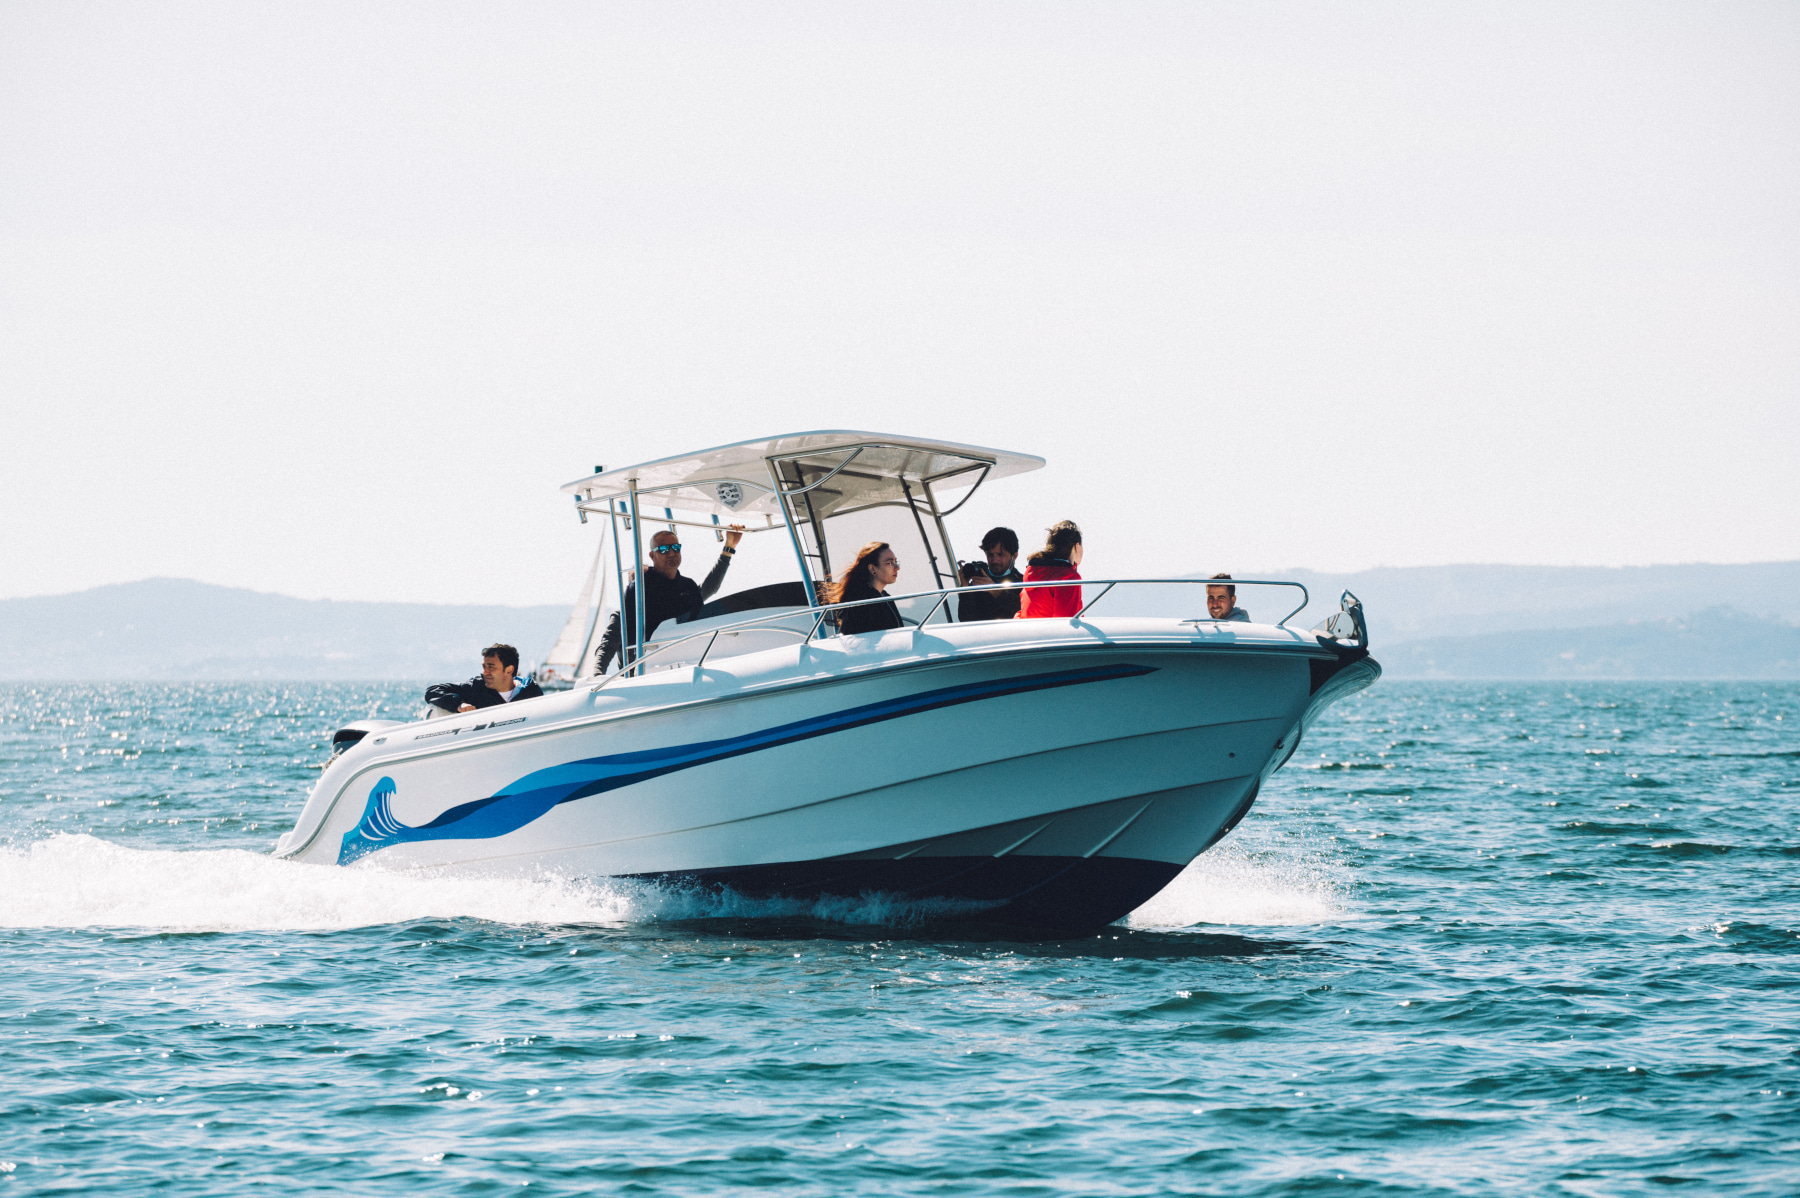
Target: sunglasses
(665, 549)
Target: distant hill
(170, 628)
(1425, 622)
(1543, 621)
(1715, 644)
(1685, 621)
(1411, 603)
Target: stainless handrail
(819, 482)
(1105, 591)
(637, 666)
(975, 486)
(981, 464)
(824, 611)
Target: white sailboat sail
(584, 669)
(564, 658)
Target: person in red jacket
(1053, 563)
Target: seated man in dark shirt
(496, 684)
(668, 593)
(1002, 548)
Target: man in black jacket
(668, 593)
(1002, 548)
(496, 684)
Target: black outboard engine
(351, 734)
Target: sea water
(1474, 939)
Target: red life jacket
(1041, 603)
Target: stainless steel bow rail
(783, 623)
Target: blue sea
(1474, 939)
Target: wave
(1600, 828)
(81, 881)
(1230, 885)
(1757, 936)
(1690, 848)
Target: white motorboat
(1049, 772)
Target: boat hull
(1028, 891)
(1056, 784)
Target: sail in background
(584, 668)
(564, 663)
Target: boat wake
(1232, 884)
(81, 881)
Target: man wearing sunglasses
(668, 593)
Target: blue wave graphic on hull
(525, 800)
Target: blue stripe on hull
(530, 797)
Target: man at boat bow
(1221, 602)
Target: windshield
(875, 497)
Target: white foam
(1233, 885)
(80, 881)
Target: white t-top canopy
(838, 471)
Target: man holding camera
(1002, 548)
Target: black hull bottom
(1062, 893)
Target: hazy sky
(328, 299)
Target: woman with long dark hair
(1053, 563)
(869, 576)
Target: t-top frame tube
(787, 518)
(637, 588)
